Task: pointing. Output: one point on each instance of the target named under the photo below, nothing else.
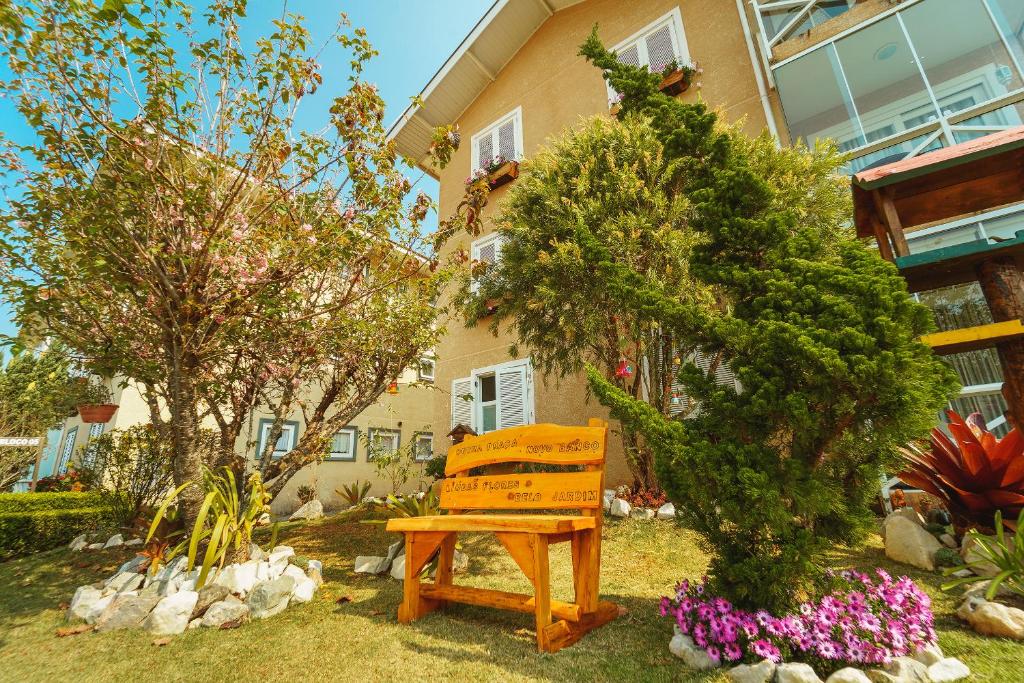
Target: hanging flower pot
(97, 412)
(624, 369)
(393, 388)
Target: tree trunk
(640, 460)
(184, 424)
(1003, 286)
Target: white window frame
(515, 115)
(528, 392)
(494, 238)
(341, 456)
(67, 450)
(423, 436)
(374, 432)
(425, 376)
(674, 20)
(290, 428)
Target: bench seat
(536, 524)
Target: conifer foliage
(821, 334)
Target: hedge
(22, 533)
(56, 500)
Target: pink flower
(306, 227)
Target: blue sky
(413, 37)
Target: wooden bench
(525, 536)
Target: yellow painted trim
(967, 338)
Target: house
(885, 79)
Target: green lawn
(361, 641)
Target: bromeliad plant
(975, 474)
(354, 493)
(225, 522)
(1007, 556)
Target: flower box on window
(676, 78)
(497, 172)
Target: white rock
(963, 573)
(908, 513)
(978, 590)
(172, 568)
(984, 567)
(223, 612)
(123, 581)
(992, 618)
(667, 511)
(114, 541)
(79, 542)
(641, 513)
(270, 597)
(304, 590)
(239, 578)
(132, 565)
(94, 546)
(126, 611)
(795, 672)
(187, 585)
(263, 520)
(929, 654)
(278, 559)
(256, 552)
(910, 543)
(315, 565)
(948, 540)
(398, 568)
(682, 646)
(314, 509)
(948, 670)
(172, 614)
(82, 602)
(369, 564)
(762, 672)
(619, 508)
(132, 542)
(266, 571)
(294, 572)
(848, 675)
(97, 608)
(460, 561)
(195, 623)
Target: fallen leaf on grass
(74, 630)
(232, 624)
(63, 606)
(343, 599)
(524, 632)
(82, 565)
(160, 642)
(376, 613)
(622, 611)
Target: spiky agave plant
(975, 473)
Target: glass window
(775, 20)
(343, 445)
(383, 441)
(68, 450)
(285, 442)
(816, 102)
(424, 447)
(991, 406)
(1009, 15)
(1004, 227)
(488, 403)
(426, 370)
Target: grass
(361, 641)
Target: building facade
(885, 79)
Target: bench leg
(542, 585)
(446, 562)
(419, 546)
(583, 570)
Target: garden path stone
(114, 541)
(223, 612)
(795, 672)
(682, 646)
(909, 543)
(992, 618)
(948, 670)
(171, 614)
(314, 509)
(620, 508)
(667, 511)
(82, 602)
(126, 611)
(761, 672)
(270, 597)
(848, 675)
(209, 594)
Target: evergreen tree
(821, 334)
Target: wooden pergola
(939, 186)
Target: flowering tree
(172, 229)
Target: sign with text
(20, 441)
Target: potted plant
(496, 171)
(677, 77)
(94, 403)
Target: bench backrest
(543, 444)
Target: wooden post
(542, 589)
(1003, 286)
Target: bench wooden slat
(544, 444)
(538, 524)
(485, 597)
(540, 491)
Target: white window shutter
(629, 55)
(507, 139)
(660, 48)
(513, 396)
(485, 150)
(462, 409)
(487, 250)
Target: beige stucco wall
(555, 87)
(410, 412)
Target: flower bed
(864, 621)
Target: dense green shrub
(435, 466)
(820, 332)
(39, 502)
(22, 533)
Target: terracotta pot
(101, 412)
